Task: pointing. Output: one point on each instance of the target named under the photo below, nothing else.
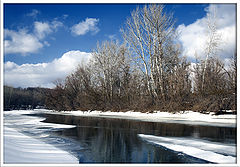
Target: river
(111, 140)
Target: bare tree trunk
(148, 32)
(212, 42)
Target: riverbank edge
(186, 117)
(20, 148)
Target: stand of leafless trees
(147, 72)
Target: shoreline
(188, 117)
(20, 148)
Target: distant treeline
(27, 98)
(148, 72)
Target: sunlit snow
(186, 117)
(203, 149)
(20, 148)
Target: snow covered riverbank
(19, 148)
(187, 117)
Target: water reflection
(113, 145)
(218, 134)
(115, 140)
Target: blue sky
(40, 35)
(111, 17)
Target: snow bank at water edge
(210, 151)
(187, 117)
(19, 148)
(37, 121)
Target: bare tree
(109, 65)
(232, 82)
(150, 34)
(77, 86)
(213, 41)
(56, 98)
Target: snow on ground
(19, 148)
(210, 151)
(28, 120)
(187, 117)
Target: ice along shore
(186, 117)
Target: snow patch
(210, 151)
(31, 120)
(186, 117)
(19, 148)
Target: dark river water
(116, 141)
(105, 140)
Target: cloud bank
(89, 25)
(43, 74)
(193, 37)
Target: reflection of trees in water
(109, 144)
(113, 145)
(154, 128)
(116, 140)
(182, 130)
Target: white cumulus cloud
(193, 37)
(56, 24)
(43, 74)
(20, 42)
(24, 42)
(42, 29)
(89, 25)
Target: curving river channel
(106, 140)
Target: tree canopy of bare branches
(148, 72)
